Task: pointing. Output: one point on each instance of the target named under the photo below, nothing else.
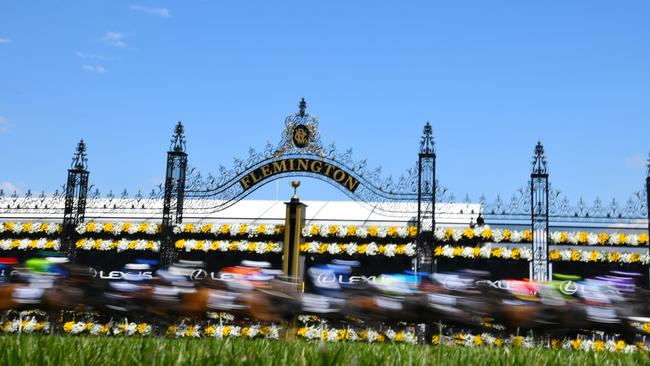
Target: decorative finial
(539, 160)
(295, 184)
(79, 160)
(426, 143)
(178, 140)
(303, 107)
(648, 164)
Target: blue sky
(493, 77)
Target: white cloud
(99, 69)
(90, 56)
(4, 125)
(635, 161)
(161, 12)
(9, 187)
(115, 39)
(5, 40)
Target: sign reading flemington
(300, 165)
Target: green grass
(55, 350)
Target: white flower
(23, 244)
(52, 228)
(151, 228)
(372, 335)
(467, 252)
(372, 249)
(362, 232)
(506, 253)
(81, 228)
(306, 231)
(312, 332)
(122, 245)
(313, 247)
(332, 335)
(242, 246)
(389, 250)
(5, 244)
(457, 235)
(382, 232)
(133, 228)
(324, 230)
(260, 248)
(77, 328)
(390, 334)
(269, 230)
(274, 332)
(276, 247)
(409, 249)
(410, 338)
(448, 251)
(253, 331)
(516, 236)
(572, 238)
(333, 249)
(223, 245)
(555, 237)
(485, 251)
(96, 329)
(526, 254)
(592, 239)
(632, 240)
(342, 231)
(18, 228)
(402, 232)
(351, 248)
(235, 229)
(140, 245)
(497, 235)
(565, 254)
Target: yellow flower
(322, 248)
(381, 249)
(233, 245)
(613, 256)
(243, 228)
(87, 326)
(635, 257)
(225, 229)
(32, 244)
(620, 345)
(507, 234)
(279, 229)
(187, 228)
(49, 244)
(209, 330)
(333, 229)
(126, 227)
(392, 231)
(603, 238)
(646, 327)
(575, 255)
(373, 230)
(593, 256)
(401, 249)
(575, 344)
(643, 238)
(199, 244)
(448, 234)
(171, 329)
(352, 231)
(251, 247)
(206, 229)
(413, 231)
(189, 332)
(399, 337)
(304, 247)
(67, 327)
(180, 244)
(435, 340)
(437, 251)
(498, 342)
(582, 237)
(244, 331)
(478, 340)
(226, 330)
(496, 252)
(517, 341)
(43, 227)
(528, 236)
(554, 255)
(457, 251)
(302, 331)
(476, 252)
(132, 244)
(487, 234)
(108, 227)
(622, 238)
(361, 249)
(80, 243)
(468, 233)
(555, 343)
(314, 230)
(599, 345)
(142, 327)
(515, 253)
(97, 244)
(214, 245)
(90, 227)
(564, 237)
(15, 243)
(261, 229)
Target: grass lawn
(56, 350)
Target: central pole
(293, 264)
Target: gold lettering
(342, 175)
(279, 166)
(328, 169)
(245, 182)
(266, 171)
(316, 166)
(255, 178)
(303, 165)
(291, 164)
(351, 183)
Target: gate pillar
(76, 191)
(174, 194)
(293, 263)
(539, 214)
(426, 201)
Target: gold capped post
(295, 184)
